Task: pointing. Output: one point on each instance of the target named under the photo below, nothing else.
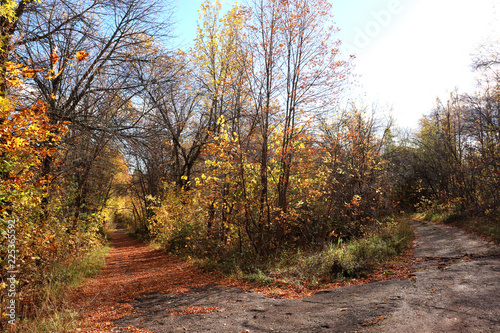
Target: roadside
(133, 269)
(455, 289)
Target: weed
(337, 261)
(485, 223)
(259, 277)
(486, 226)
(52, 313)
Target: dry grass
(134, 269)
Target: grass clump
(53, 311)
(356, 258)
(487, 226)
(310, 268)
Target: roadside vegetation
(48, 305)
(312, 268)
(483, 225)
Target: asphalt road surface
(455, 288)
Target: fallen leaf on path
(133, 269)
(194, 310)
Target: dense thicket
(455, 157)
(67, 90)
(257, 156)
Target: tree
(297, 72)
(456, 140)
(265, 60)
(12, 12)
(91, 50)
(354, 193)
(235, 122)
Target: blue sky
(408, 51)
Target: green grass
(354, 259)
(64, 275)
(311, 268)
(486, 224)
(434, 215)
(52, 313)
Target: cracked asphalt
(455, 288)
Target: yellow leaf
(14, 82)
(52, 77)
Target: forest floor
(454, 287)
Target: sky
(408, 52)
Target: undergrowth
(485, 223)
(53, 308)
(336, 261)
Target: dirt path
(132, 269)
(456, 288)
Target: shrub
(177, 225)
(353, 259)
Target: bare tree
(90, 51)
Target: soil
(455, 287)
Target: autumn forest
(238, 154)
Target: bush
(52, 312)
(358, 257)
(346, 260)
(361, 256)
(178, 224)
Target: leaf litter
(133, 269)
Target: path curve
(455, 288)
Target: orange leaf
(54, 57)
(30, 72)
(81, 55)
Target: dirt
(455, 288)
